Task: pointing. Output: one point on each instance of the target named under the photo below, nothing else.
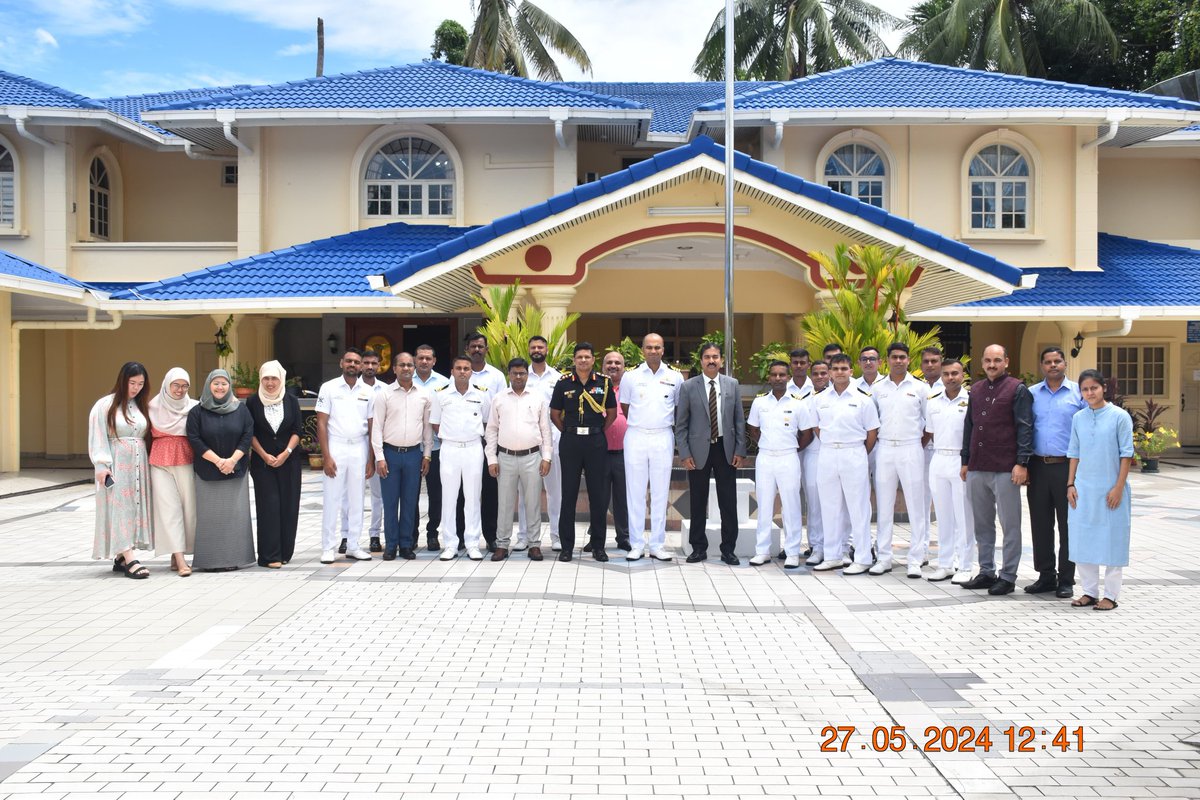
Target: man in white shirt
(931, 370)
(370, 366)
(345, 407)
(946, 414)
(459, 414)
(518, 451)
(809, 458)
(847, 424)
(431, 381)
(779, 422)
(541, 379)
(901, 400)
(648, 401)
(801, 387)
(488, 377)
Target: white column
(251, 194)
(10, 389)
(566, 162)
(232, 336)
(264, 338)
(553, 301)
(1087, 201)
(58, 223)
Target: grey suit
(693, 439)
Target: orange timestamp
(952, 739)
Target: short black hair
(353, 350)
(421, 347)
(369, 353)
(777, 363)
(949, 362)
(1053, 349)
(937, 351)
(832, 347)
(1093, 375)
(868, 349)
(517, 362)
(537, 337)
(894, 346)
(458, 358)
(704, 348)
(584, 346)
(473, 335)
(839, 358)
(799, 352)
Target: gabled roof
(841, 211)
(673, 103)
(897, 84)
(327, 268)
(1136, 273)
(429, 84)
(16, 267)
(17, 90)
(132, 106)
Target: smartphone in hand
(108, 481)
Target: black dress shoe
(807, 552)
(565, 555)
(1046, 583)
(697, 556)
(376, 547)
(599, 554)
(980, 581)
(389, 555)
(1002, 587)
(407, 555)
(782, 555)
(730, 559)
(342, 547)
(587, 548)
(434, 545)
(1065, 590)
(624, 546)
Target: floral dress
(123, 512)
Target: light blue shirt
(1052, 413)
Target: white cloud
(92, 17)
(21, 48)
(44, 37)
(117, 83)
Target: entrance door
(1189, 411)
(390, 335)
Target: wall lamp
(1078, 344)
(332, 341)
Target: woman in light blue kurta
(1101, 453)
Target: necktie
(713, 429)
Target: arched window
(857, 170)
(8, 189)
(1000, 187)
(99, 200)
(409, 177)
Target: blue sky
(103, 48)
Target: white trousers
(778, 471)
(1089, 580)
(928, 505)
(901, 466)
(956, 528)
(845, 485)
(349, 507)
(350, 456)
(553, 485)
(174, 504)
(648, 458)
(812, 496)
(461, 467)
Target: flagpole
(729, 366)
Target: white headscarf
(272, 369)
(166, 413)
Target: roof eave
(298, 305)
(898, 115)
(1041, 312)
(120, 126)
(203, 118)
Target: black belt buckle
(399, 449)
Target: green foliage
(509, 329)
(506, 35)
(450, 43)
(629, 350)
(1146, 418)
(244, 375)
(717, 338)
(772, 351)
(866, 284)
(787, 39)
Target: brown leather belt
(508, 452)
(1052, 459)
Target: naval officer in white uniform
(945, 416)
(459, 414)
(345, 408)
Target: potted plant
(245, 379)
(1149, 444)
(311, 444)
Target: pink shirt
(616, 432)
(169, 451)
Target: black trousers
(1047, 496)
(277, 500)
(433, 488)
(577, 455)
(614, 481)
(715, 466)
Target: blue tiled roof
(132, 106)
(701, 145)
(429, 84)
(673, 103)
(334, 267)
(1136, 273)
(17, 90)
(19, 267)
(895, 83)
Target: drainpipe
(559, 116)
(227, 128)
(1128, 315)
(1114, 125)
(187, 148)
(19, 115)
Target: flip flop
(1114, 605)
(1084, 601)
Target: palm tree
(1004, 35)
(787, 39)
(506, 35)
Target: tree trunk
(320, 47)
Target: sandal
(1084, 601)
(118, 564)
(1106, 608)
(134, 569)
(274, 565)
(183, 571)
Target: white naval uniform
(808, 462)
(349, 506)
(461, 418)
(901, 462)
(435, 381)
(350, 408)
(843, 421)
(777, 467)
(544, 385)
(649, 450)
(956, 527)
(933, 389)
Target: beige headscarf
(272, 369)
(166, 413)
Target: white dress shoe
(474, 554)
(327, 556)
(816, 558)
(519, 545)
(358, 554)
(914, 571)
(939, 575)
(828, 565)
(855, 569)
(448, 554)
(556, 546)
(661, 555)
(961, 577)
(759, 560)
(881, 567)
(634, 555)
(792, 562)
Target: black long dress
(276, 489)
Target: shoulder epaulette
(442, 388)
(480, 387)
(935, 394)
(762, 394)
(864, 391)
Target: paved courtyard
(548, 680)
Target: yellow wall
(506, 168)
(1151, 194)
(172, 198)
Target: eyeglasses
(868, 358)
